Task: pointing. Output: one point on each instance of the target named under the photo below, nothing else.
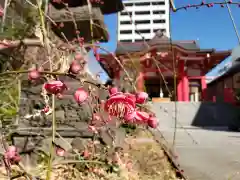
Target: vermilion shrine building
(226, 87)
(191, 65)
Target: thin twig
(208, 4)
(47, 45)
(5, 44)
(55, 73)
(233, 21)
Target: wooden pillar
(179, 91)
(140, 82)
(203, 87)
(183, 83)
(185, 88)
(180, 80)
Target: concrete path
(203, 154)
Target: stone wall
(67, 110)
(72, 123)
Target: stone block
(79, 144)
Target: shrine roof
(123, 48)
(158, 40)
(233, 69)
(161, 42)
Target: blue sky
(211, 27)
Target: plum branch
(205, 4)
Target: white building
(148, 15)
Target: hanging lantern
(148, 63)
(146, 60)
(208, 55)
(147, 55)
(164, 54)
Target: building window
(141, 40)
(142, 12)
(143, 31)
(142, 22)
(157, 21)
(158, 3)
(162, 30)
(126, 32)
(138, 40)
(125, 22)
(128, 4)
(125, 13)
(143, 4)
(126, 40)
(159, 12)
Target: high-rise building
(148, 16)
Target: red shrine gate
(184, 57)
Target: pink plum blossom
(78, 56)
(34, 74)
(80, 95)
(11, 155)
(113, 90)
(92, 129)
(119, 105)
(75, 67)
(153, 122)
(131, 96)
(141, 117)
(129, 118)
(141, 97)
(55, 87)
(60, 151)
